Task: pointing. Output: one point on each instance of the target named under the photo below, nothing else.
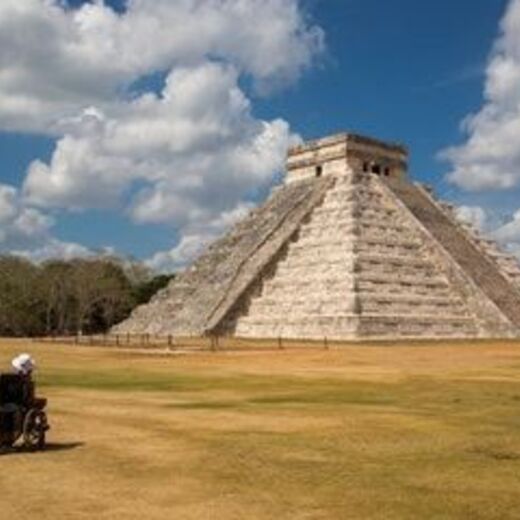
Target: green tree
(71, 296)
(21, 304)
(144, 291)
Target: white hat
(23, 363)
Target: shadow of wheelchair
(49, 447)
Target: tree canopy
(62, 297)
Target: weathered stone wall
(403, 291)
(198, 299)
(488, 293)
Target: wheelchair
(22, 415)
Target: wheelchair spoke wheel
(34, 428)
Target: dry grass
(406, 432)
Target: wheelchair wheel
(34, 428)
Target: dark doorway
(319, 171)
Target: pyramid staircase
(357, 268)
(199, 298)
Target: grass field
(402, 432)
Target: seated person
(16, 394)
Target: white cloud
(196, 149)
(490, 158)
(187, 153)
(189, 247)
(509, 234)
(19, 223)
(26, 231)
(474, 215)
(55, 61)
(53, 248)
(195, 240)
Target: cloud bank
(26, 231)
(55, 60)
(490, 157)
(489, 160)
(148, 106)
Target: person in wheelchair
(21, 413)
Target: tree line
(62, 297)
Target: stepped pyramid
(347, 248)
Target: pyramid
(346, 248)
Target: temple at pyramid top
(346, 248)
(343, 153)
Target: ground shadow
(50, 447)
(63, 446)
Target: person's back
(12, 399)
(16, 389)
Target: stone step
(419, 291)
(413, 308)
(333, 284)
(340, 328)
(340, 217)
(309, 308)
(387, 227)
(403, 325)
(382, 250)
(368, 243)
(366, 259)
(339, 299)
(407, 280)
(338, 244)
(378, 211)
(315, 268)
(406, 317)
(348, 303)
(328, 231)
(416, 290)
(385, 298)
(300, 266)
(393, 272)
(366, 317)
(323, 320)
(343, 210)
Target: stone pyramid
(347, 248)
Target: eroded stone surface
(191, 304)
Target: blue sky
(399, 70)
